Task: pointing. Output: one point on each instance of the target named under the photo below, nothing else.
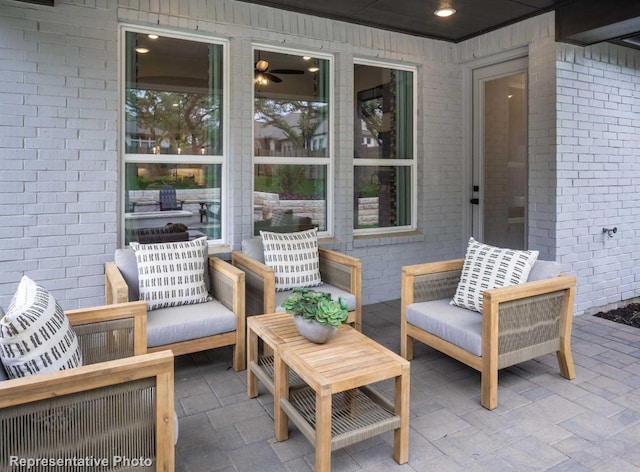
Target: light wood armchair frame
(227, 286)
(82, 412)
(337, 269)
(512, 318)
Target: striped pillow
(486, 267)
(294, 258)
(35, 334)
(172, 274)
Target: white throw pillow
(35, 334)
(172, 274)
(294, 258)
(486, 267)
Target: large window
(384, 149)
(173, 138)
(292, 148)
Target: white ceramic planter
(312, 330)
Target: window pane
(173, 99)
(289, 198)
(383, 196)
(384, 113)
(291, 110)
(157, 195)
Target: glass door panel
(500, 156)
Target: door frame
(468, 129)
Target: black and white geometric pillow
(486, 267)
(294, 258)
(172, 274)
(35, 334)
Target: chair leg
(489, 389)
(406, 347)
(239, 363)
(565, 361)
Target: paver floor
(543, 422)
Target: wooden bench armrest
(248, 263)
(260, 283)
(235, 279)
(120, 311)
(88, 377)
(529, 289)
(116, 289)
(340, 258)
(431, 267)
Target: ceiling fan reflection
(263, 75)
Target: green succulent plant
(317, 306)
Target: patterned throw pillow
(172, 274)
(35, 334)
(486, 267)
(294, 258)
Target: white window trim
(412, 163)
(183, 159)
(324, 161)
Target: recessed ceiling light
(152, 36)
(313, 69)
(306, 58)
(444, 12)
(142, 50)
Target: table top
(275, 329)
(349, 360)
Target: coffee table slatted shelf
(357, 414)
(263, 369)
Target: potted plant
(316, 314)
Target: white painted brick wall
(598, 148)
(58, 131)
(57, 141)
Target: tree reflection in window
(172, 122)
(291, 128)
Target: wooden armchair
(338, 271)
(119, 403)
(518, 322)
(227, 287)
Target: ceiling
(581, 22)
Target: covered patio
(543, 422)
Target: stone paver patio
(543, 422)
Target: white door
(499, 174)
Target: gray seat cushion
(544, 270)
(452, 323)
(125, 259)
(253, 248)
(187, 322)
(334, 291)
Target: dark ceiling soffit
(538, 12)
(46, 3)
(422, 34)
(305, 11)
(593, 21)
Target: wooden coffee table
(334, 407)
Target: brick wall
(59, 134)
(58, 115)
(598, 105)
